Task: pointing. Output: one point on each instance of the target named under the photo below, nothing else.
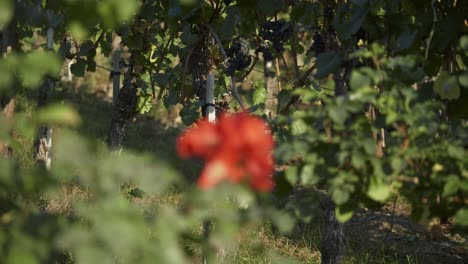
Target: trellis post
(210, 100)
(43, 143)
(211, 115)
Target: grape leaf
(327, 63)
(447, 86)
(259, 96)
(78, 68)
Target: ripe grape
(277, 32)
(238, 56)
(318, 46)
(265, 49)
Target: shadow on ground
(383, 236)
(146, 134)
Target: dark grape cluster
(277, 33)
(238, 56)
(318, 46)
(265, 49)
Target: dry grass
(68, 195)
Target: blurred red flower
(235, 148)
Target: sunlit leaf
(6, 12)
(59, 114)
(461, 218)
(343, 216)
(378, 190)
(259, 95)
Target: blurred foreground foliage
(377, 110)
(100, 206)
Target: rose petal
(216, 171)
(200, 140)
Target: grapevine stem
(251, 68)
(299, 83)
(278, 73)
(235, 92)
(431, 35)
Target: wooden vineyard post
(211, 115)
(43, 144)
(271, 86)
(210, 100)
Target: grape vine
(274, 35)
(318, 46)
(238, 56)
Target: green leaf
(282, 220)
(406, 39)
(463, 79)
(343, 215)
(31, 68)
(284, 96)
(461, 218)
(447, 86)
(228, 25)
(144, 103)
(270, 7)
(378, 190)
(340, 195)
(135, 41)
(59, 114)
(78, 68)
(171, 99)
(452, 185)
(187, 37)
(327, 63)
(113, 12)
(18, 255)
(86, 47)
(359, 80)
(259, 95)
(464, 44)
(291, 175)
(298, 126)
(337, 113)
(348, 22)
(24, 126)
(308, 176)
(6, 12)
(7, 66)
(190, 113)
(78, 30)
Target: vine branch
(431, 35)
(250, 69)
(225, 58)
(300, 82)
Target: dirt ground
(384, 230)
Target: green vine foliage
(377, 110)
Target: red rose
(235, 148)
